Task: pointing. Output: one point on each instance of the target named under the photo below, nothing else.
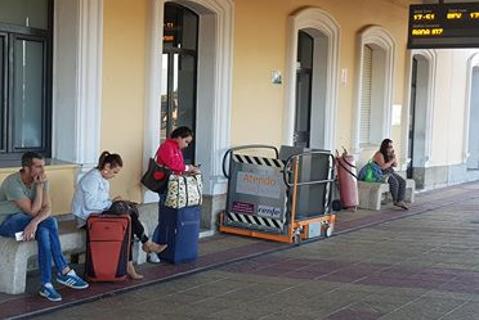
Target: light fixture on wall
(276, 77)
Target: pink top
(170, 155)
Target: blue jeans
(48, 242)
(156, 233)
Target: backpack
(371, 172)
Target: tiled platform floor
(419, 264)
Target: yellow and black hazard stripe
(256, 221)
(268, 162)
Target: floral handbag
(184, 191)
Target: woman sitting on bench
(386, 159)
(92, 195)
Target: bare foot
(130, 270)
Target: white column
(77, 80)
(152, 120)
(89, 82)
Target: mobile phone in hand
(19, 236)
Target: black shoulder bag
(156, 177)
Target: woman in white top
(92, 195)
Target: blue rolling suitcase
(180, 229)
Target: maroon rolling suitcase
(108, 247)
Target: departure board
(451, 25)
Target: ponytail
(113, 159)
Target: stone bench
(371, 194)
(15, 255)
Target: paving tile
(256, 292)
(424, 309)
(255, 310)
(467, 311)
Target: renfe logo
(269, 212)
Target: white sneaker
(153, 258)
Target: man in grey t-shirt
(25, 207)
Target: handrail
(297, 157)
(228, 153)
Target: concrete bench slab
(372, 193)
(15, 255)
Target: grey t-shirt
(12, 189)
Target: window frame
(170, 51)
(4, 96)
(366, 141)
(12, 32)
(309, 70)
(376, 37)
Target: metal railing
(226, 171)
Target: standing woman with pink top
(169, 154)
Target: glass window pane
(303, 108)
(170, 27)
(305, 50)
(303, 101)
(28, 98)
(175, 93)
(28, 13)
(164, 98)
(186, 91)
(180, 27)
(180, 35)
(190, 30)
(186, 98)
(2, 90)
(303, 89)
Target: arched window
(372, 121)
(312, 79)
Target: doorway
(179, 67)
(304, 80)
(473, 158)
(416, 152)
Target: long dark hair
(113, 159)
(384, 149)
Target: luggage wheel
(297, 235)
(328, 231)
